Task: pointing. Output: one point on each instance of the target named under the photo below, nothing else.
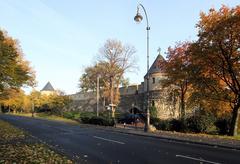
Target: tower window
(153, 80)
(153, 103)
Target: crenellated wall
(166, 103)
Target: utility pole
(97, 95)
(33, 109)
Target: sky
(62, 37)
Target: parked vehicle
(131, 119)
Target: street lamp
(138, 18)
(97, 92)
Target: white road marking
(197, 159)
(105, 139)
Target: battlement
(132, 89)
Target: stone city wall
(167, 105)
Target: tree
(216, 55)
(114, 60)
(177, 70)
(59, 102)
(118, 59)
(14, 69)
(54, 103)
(35, 97)
(16, 101)
(88, 80)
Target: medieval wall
(128, 101)
(167, 104)
(84, 102)
(88, 102)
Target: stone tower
(48, 89)
(159, 96)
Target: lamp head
(138, 18)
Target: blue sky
(61, 37)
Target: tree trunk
(182, 105)
(234, 122)
(111, 96)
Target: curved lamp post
(138, 18)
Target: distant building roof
(157, 66)
(48, 87)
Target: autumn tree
(216, 55)
(114, 60)
(59, 102)
(16, 101)
(88, 80)
(14, 69)
(35, 97)
(177, 70)
(119, 59)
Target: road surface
(95, 146)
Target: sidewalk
(200, 139)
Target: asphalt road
(95, 146)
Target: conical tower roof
(158, 65)
(48, 87)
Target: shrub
(177, 125)
(76, 116)
(154, 121)
(68, 115)
(199, 123)
(153, 112)
(223, 125)
(87, 114)
(162, 125)
(97, 121)
(194, 124)
(84, 120)
(71, 115)
(172, 125)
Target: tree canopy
(210, 66)
(114, 60)
(177, 69)
(216, 55)
(15, 71)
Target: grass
(231, 137)
(56, 118)
(218, 136)
(15, 147)
(47, 116)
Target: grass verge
(47, 116)
(15, 147)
